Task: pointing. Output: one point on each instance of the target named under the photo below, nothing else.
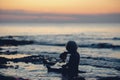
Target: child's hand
(63, 56)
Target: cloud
(35, 17)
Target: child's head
(71, 46)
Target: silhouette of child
(71, 68)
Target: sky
(60, 11)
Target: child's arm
(63, 56)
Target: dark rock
(2, 77)
(37, 59)
(8, 52)
(13, 42)
(1, 49)
(3, 60)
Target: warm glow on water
(14, 56)
(56, 29)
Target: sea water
(98, 46)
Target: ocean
(98, 46)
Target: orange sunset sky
(56, 9)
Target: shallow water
(95, 60)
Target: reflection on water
(31, 71)
(39, 72)
(14, 56)
(96, 60)
(56, 29)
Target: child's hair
(71, 46)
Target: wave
(100, 45)
(25, 40)
(94, 45)
(100, 63)
(49, 44)
(13, 42)
(63, 36)
(102, 58)
(116, 38)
